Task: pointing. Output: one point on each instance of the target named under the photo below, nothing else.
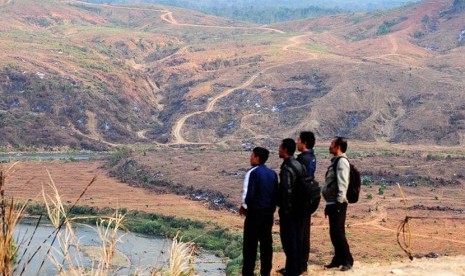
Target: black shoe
(281, 271)
(346, 267)
(332, 265)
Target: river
(135, 253)
(41, 156)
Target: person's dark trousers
(306, 222)
(291, 233)
(337, 220)
(257, 228)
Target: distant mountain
(352, 5)
(269, 11)
(94, 76)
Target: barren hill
(94, 76)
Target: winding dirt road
(294, 42)
(94, 135)
(180, 123)
(168, 17)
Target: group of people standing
(263, 192)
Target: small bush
(385, 28)
(418, 34)
(382, 188)
(117, 156)
(366, 180)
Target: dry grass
(10, 217)
(180, 261)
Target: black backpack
(355, 182)
(306, 194)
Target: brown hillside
(96, 76)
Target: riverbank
(209, 236)
(133, 252)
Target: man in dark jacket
(258, 205)
(290, 219)
(305, 145)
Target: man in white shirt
(258, 205)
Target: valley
(169, 102)
(187, 78)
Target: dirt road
(294, 42)
(168, 17)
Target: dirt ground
(418, 267)
(71, 178)
(371, 223)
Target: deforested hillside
(88, 76)
(82, 75)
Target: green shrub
(382, 188)
(385, 28)
(36, 210)
(418, 34)
(117, 156)
(366, 180)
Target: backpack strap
(337, 161)
(335, 169)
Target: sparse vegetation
(382, 188)
(385, 28)
(459, 5)
(366, 180)
(10, 212)
(418, 34)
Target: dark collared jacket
(290, 169)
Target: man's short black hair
(289, 145)
(262, 154)
(307, 138)
(342, 142)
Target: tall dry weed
(68, 257)
(180, 261)
(10, 216)
(107, 230)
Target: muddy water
(135, 253)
